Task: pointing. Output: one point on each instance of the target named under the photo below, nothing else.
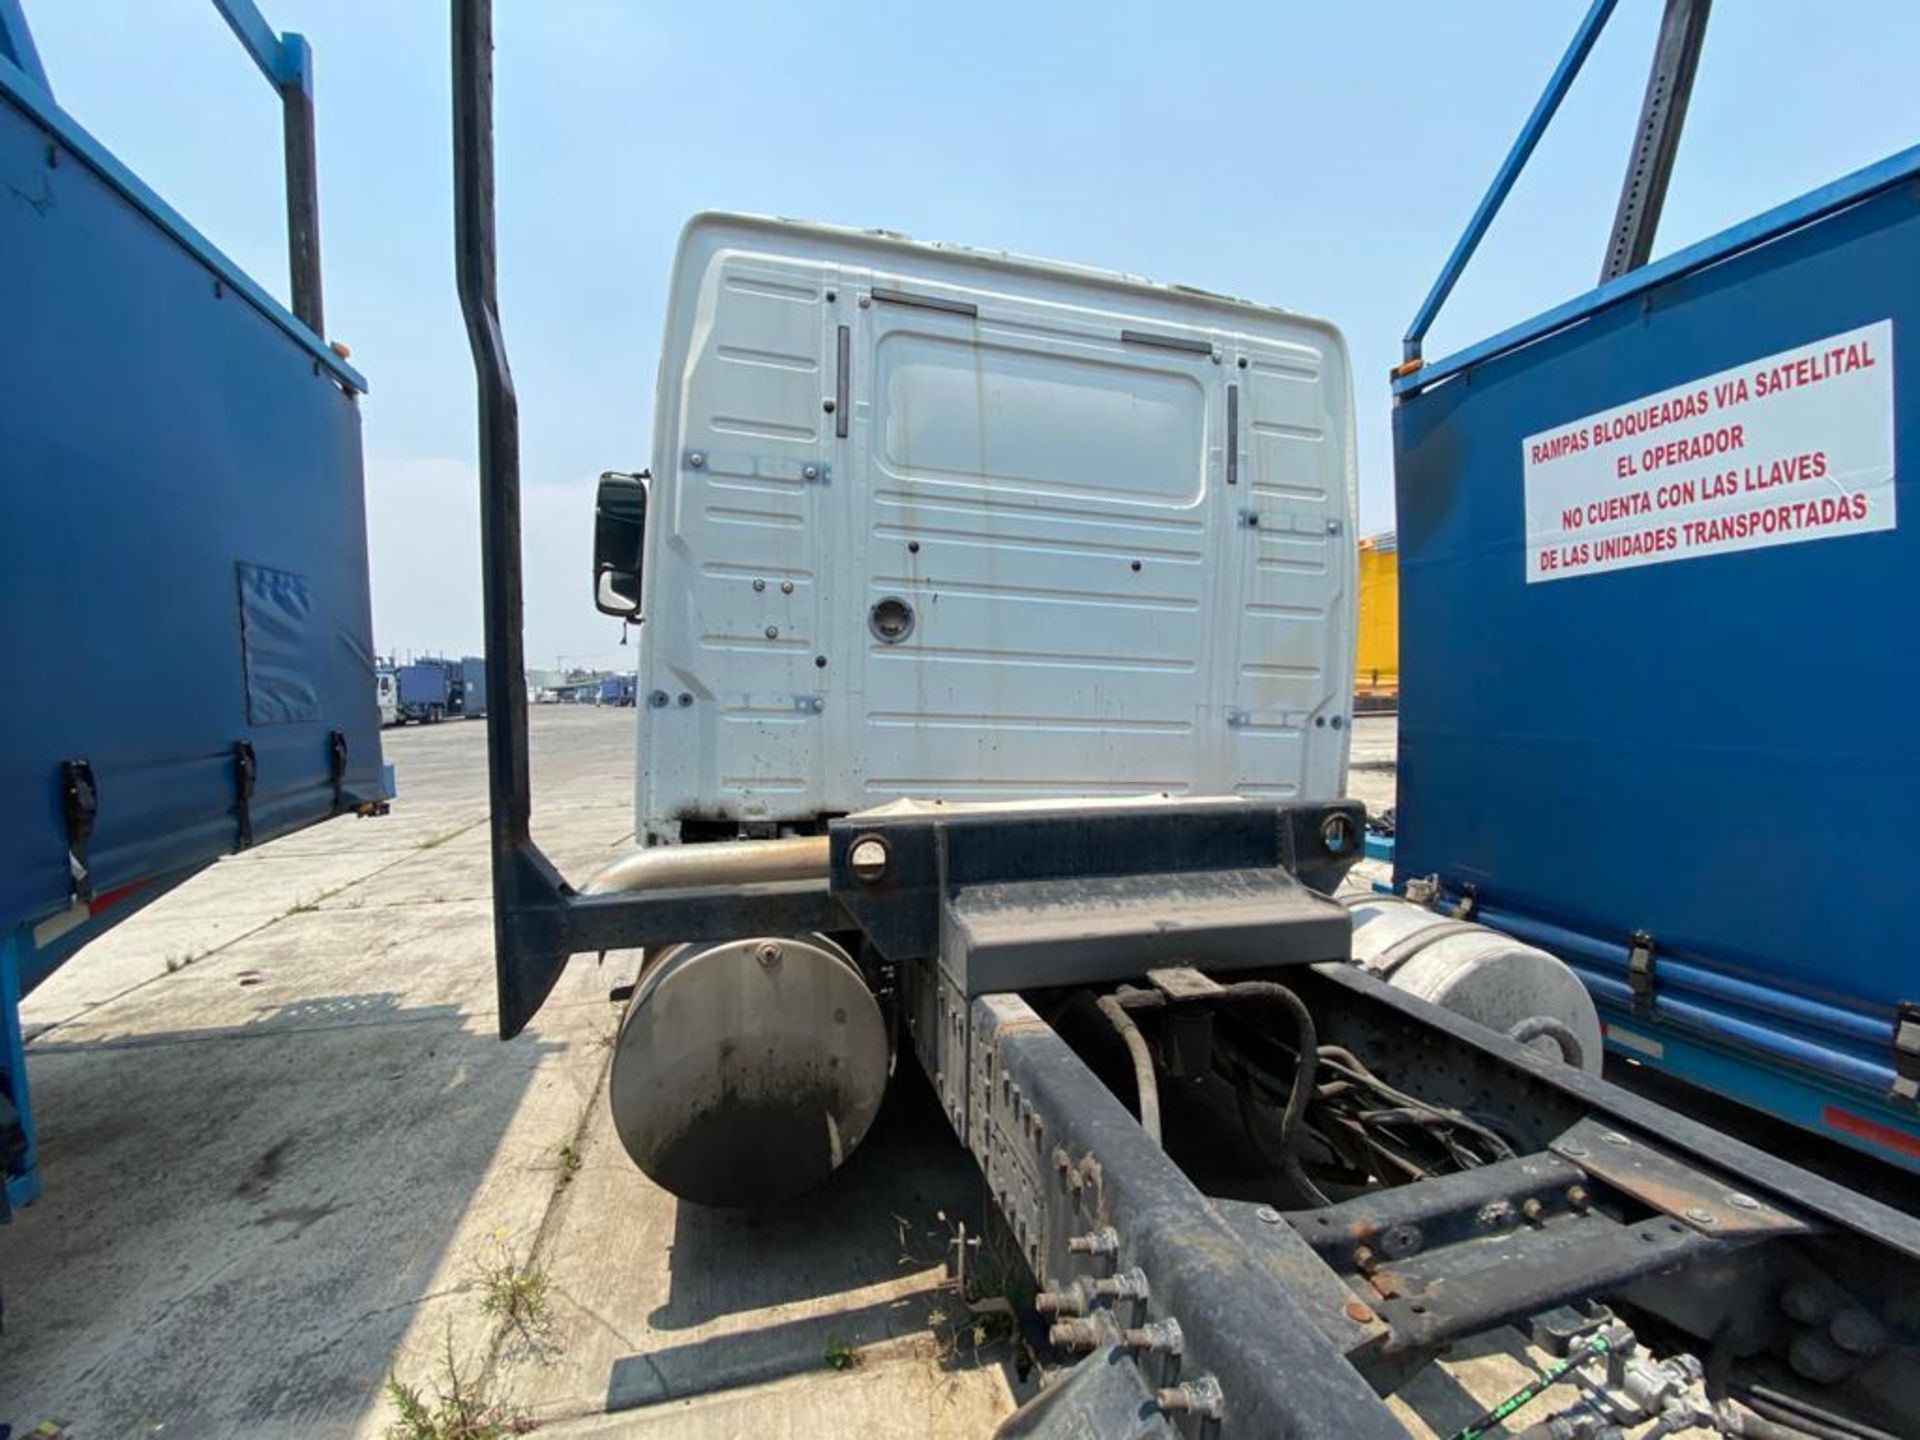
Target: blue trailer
(1650, 557)
(427, 691)
(473, 687)
(180, 453)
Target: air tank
(1479, 973)
(747, 1071)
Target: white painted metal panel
(1035, 459)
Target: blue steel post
(1557, 86)
(16, 44)
(22, 1173)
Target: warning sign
(1798, 446)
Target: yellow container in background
(1376, 671)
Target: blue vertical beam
(16, 43)
(1543, 111)
(281, 58)
(22, 1177)
(287, 62)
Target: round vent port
(891, 620)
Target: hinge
(246, 770)
(337, 759)
(79, 805)
(1906, 1052)
(1640, 971)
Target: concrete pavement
(285, 1157)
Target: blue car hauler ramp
(183, 552)
(1656, 554)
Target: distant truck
(426, 692)
(617, 690)
(387, 693)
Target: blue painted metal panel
(28, 99)
(164, 438)
(1680, 748)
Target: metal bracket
(1468, 903)
(1640, 971)
(79, 806)
(1906, 1052)
(246, 769)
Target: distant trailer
(427, 694)
(473, 687)
(1376, 670)
(178, 451)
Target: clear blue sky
(1320, 156)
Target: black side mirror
(619, 538)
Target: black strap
(337, 759)
(79, 806)
(246, 769)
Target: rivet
(1359, 1312)
(1267, 1215)
(1742, 1202)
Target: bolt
(773, 632)
(658, 699)
(1531, 1209)
(758, 586)
(696, 460)
(1742, 1202)
(1700, 1215)
(1156, 1335)
(1201, 1396)
(868, 859)
(1614, 1137)
(767, 953)
(685, 699)
(1364, 1259)
(1495, 1212)
(1059, 1302)
(866, 301)
(1105, 1241)
(1074, 1335)
(1577, 1197)
(786, 587)
(1267, 1215)
(812, 472)
(1359, 1312)
(1129, 1286)
(1573, 1149)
